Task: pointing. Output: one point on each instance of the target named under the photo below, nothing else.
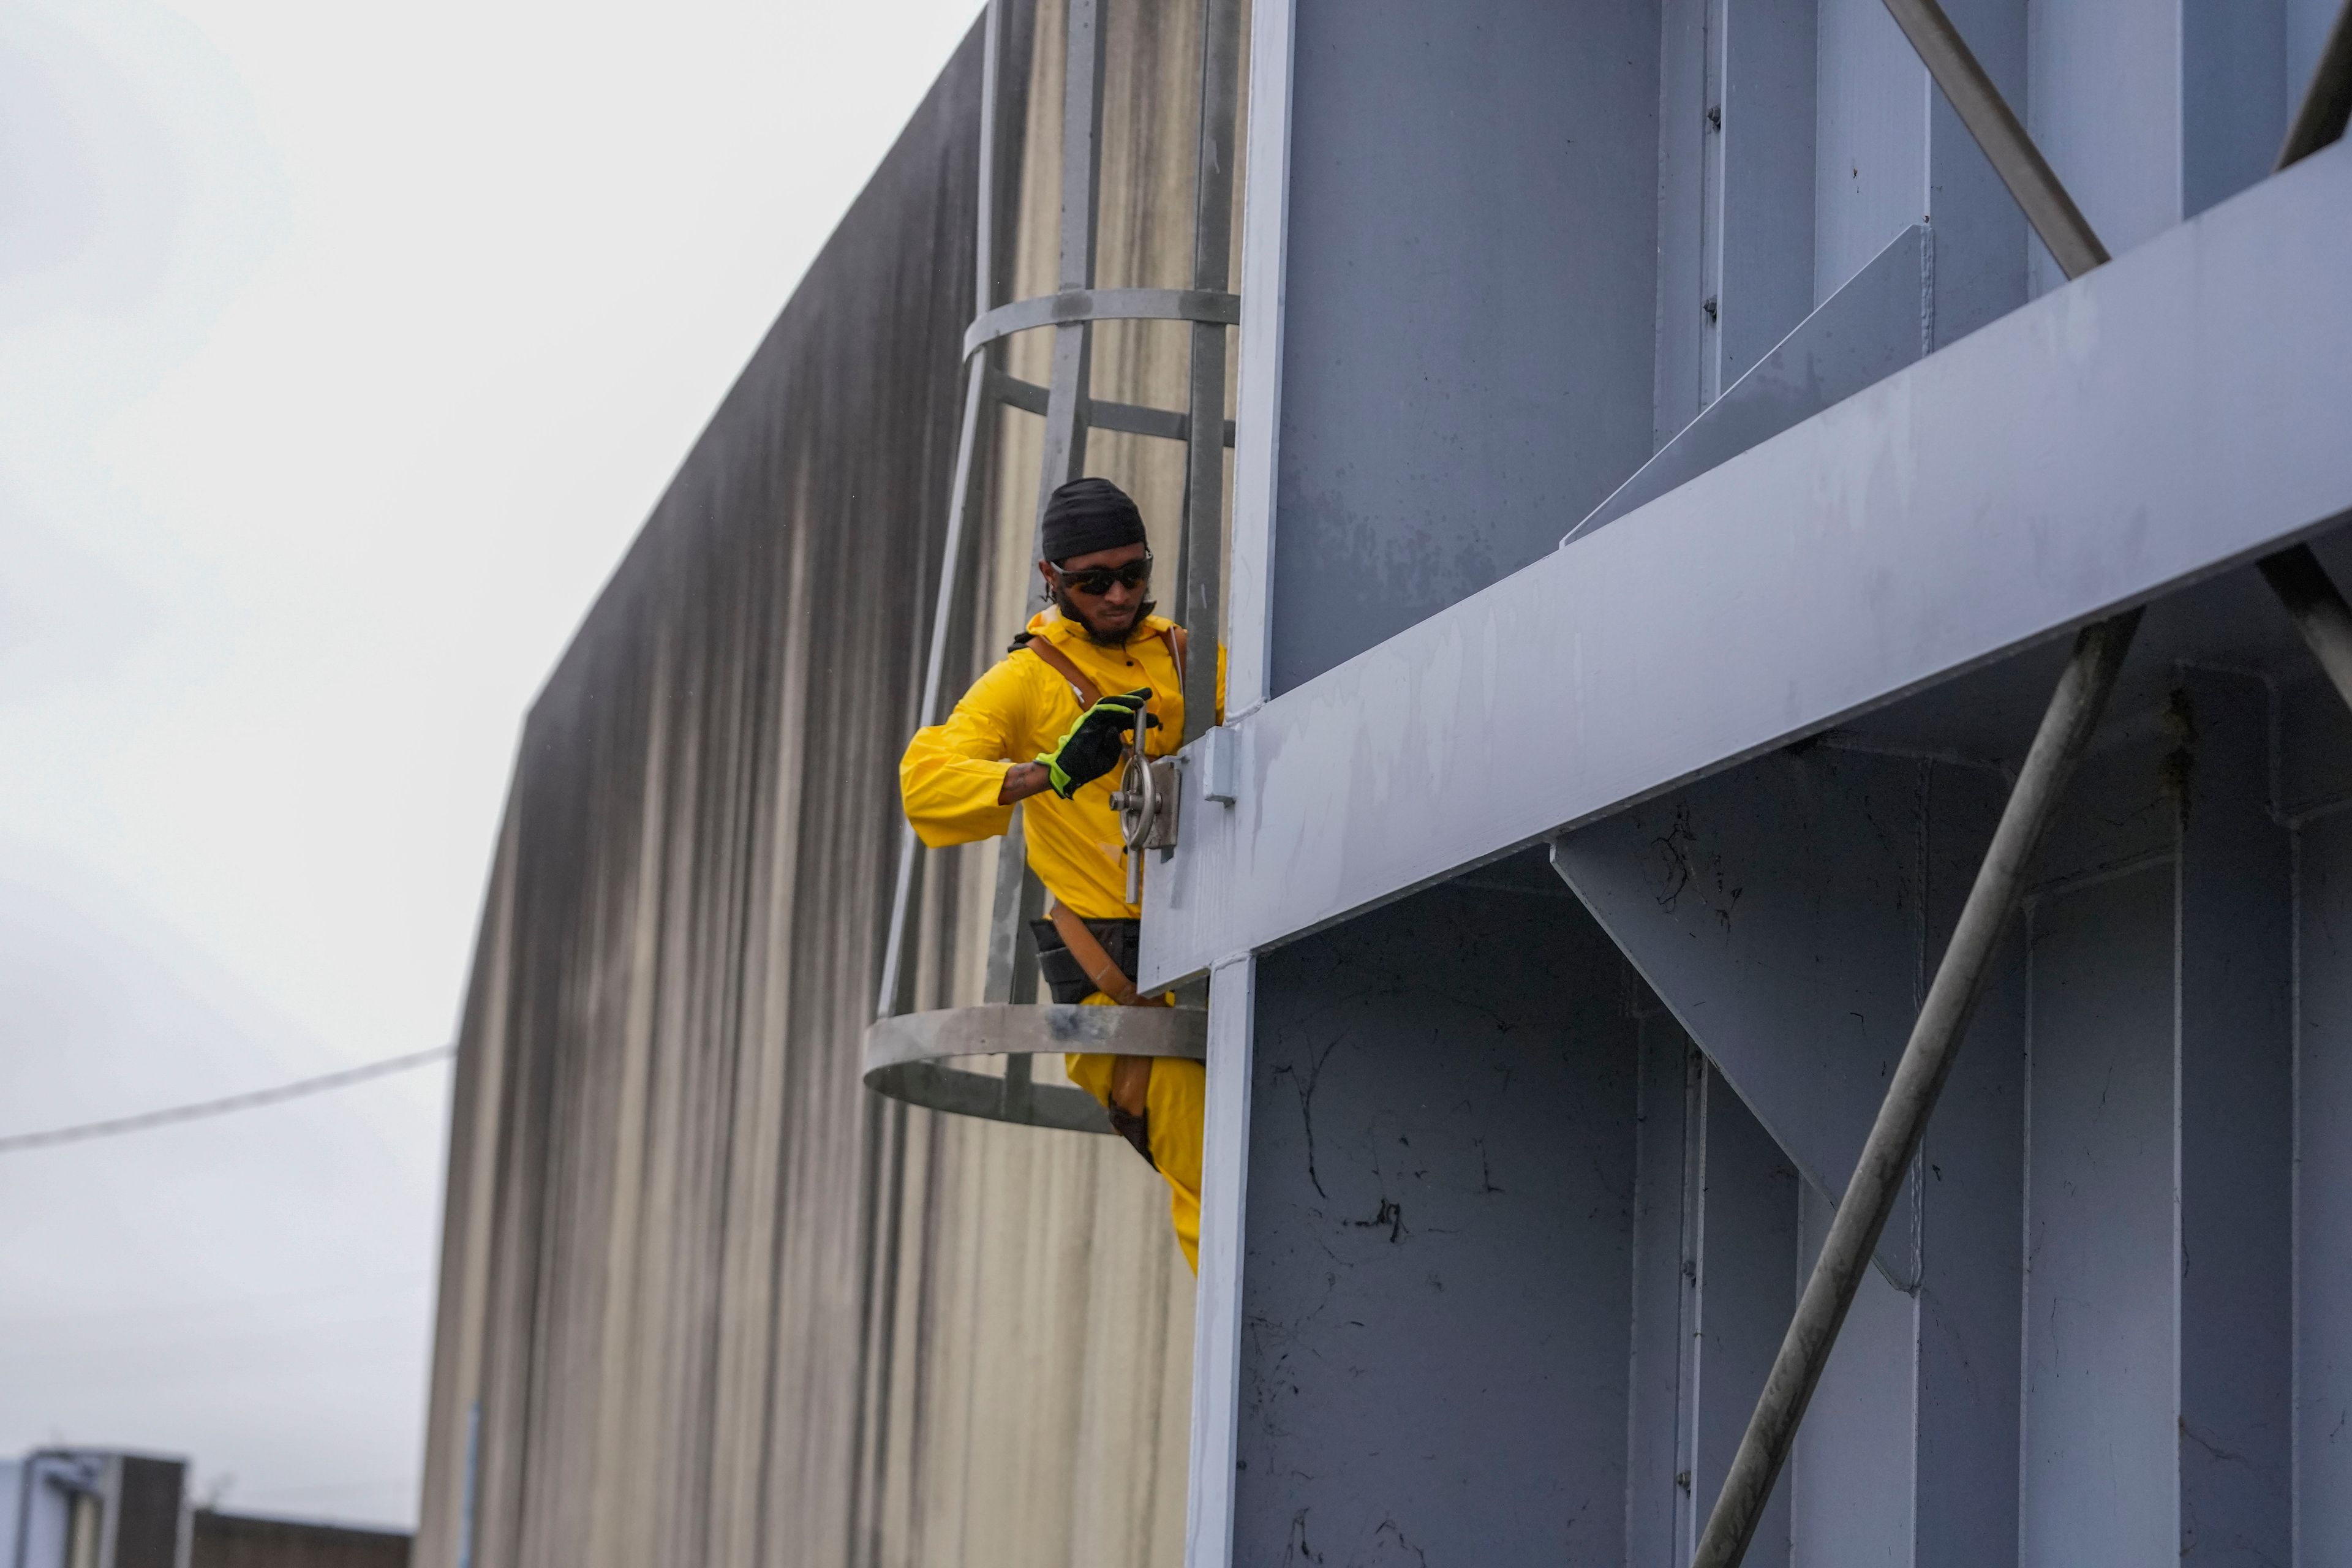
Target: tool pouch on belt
(1079, 957)
(1065, 977)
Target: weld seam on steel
(2058, 744)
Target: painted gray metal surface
(2100, 1432)
(1779, 911)
(1266, 228)
(1439, 1216)
(1217, 1316)
(1961, 1388)
(2234, 1037)
(1761, 56)
(1746, 1284)
(1970, 1340)
(2169, 415)
(2237, 90)
(1684, 167)
(1854, 1480)
(1789, 912)
(1965, 88)
(1665, 1276)
(2323, 1211)
(1870, 141)
(1438, 434)
(2102, 104)
(1982, 238)
(1829, 144)
(1882, 321)
(1890, 1155)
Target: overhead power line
(15, 1142)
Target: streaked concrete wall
(703, 1299)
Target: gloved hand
(1091, 749)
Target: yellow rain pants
(1174, 1107)
(951, 775)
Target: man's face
(1103, 590)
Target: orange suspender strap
(1059, 662)
(1089, 695)
(1107, 976)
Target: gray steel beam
(2174, 414)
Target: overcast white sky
(342, 349)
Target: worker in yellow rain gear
(1038, 726)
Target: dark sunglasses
(1097, 580)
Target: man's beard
(1070, 612)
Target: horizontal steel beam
(2171, 415)
(1072, 306)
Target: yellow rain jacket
(950, 777)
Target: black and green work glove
(1091, 749)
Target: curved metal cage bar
(1072, 306)
(906, 1057)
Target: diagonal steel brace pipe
(2311, 599)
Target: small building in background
(96, 1508)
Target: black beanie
(1088, 515)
